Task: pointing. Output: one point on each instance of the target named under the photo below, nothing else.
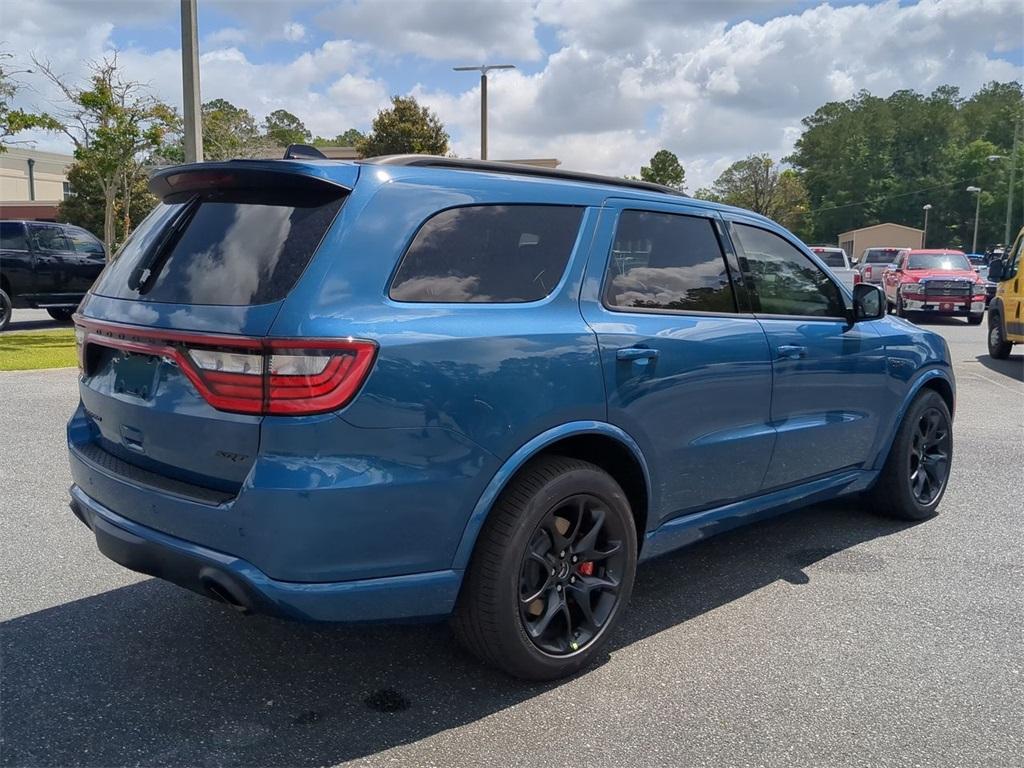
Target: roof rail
(458, 163)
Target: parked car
(46, 266)
(874, 261)
(1005, 326)
(976, 259)
(936, 281)
(417, 387)
(835, 259)
(990, 287)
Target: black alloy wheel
(5, 310)
(570, 575)
(929, 456)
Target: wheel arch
(598, 442)
(935, 379)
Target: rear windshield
(832, 258)
(228, 248)
(887, 256)
(948, 261)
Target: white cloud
(627, 77)
(441, 29)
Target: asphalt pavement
(826, 637)
(33, 320)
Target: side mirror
(995, 270)
(868, 302)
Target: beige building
(856, 241)
(32, 183)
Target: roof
(458, 163)
(936, 251)
(878, 226)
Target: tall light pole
(924, 235)
(483, 69)
(1018, 129)
(977, 211)
(190, 82)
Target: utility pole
(1013, 178)
(190, 82)
(483, 70)
(977, 211)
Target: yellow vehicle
(1005, 323)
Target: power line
(889, 197)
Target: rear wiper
(146, 271)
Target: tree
(757, 183)
(115, 124)
(230, 131)
(349, 138)
(868, 160)
(666, 169)
(14, 121)
(283, 128)
(405, 128)
(82, 207)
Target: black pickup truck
(46, 266)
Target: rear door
(53, 260)
(173, 331)
(687, 375)
(828, 376)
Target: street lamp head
(484, 68)
(993, 158)
(974, 189)
(927, 206)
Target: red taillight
(867, 271)
(856, 278)
(245, 375)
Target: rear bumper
(237, 582)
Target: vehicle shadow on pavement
(1013, 366)
(152, 674)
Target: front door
(686, 374)
(829, 377)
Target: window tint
(784, 281)
(832, 258)
(230, 249)
(83, 242)
(12, 236)
(48, 238)
(488, 253)
(667, 261)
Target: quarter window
(12, 236)
(665, 261)
(784, 280)
(488, 253)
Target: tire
(900, 311)
(923, 444)
(61, 314)
(5, 310)
(521, 608)
(998, 347)
(975, 319)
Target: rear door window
(488, 254)
(48, 238)
(666, 261)
(83, 242)
(229, 248)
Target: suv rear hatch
(177, 369)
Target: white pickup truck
(835, 259)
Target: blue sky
(599, 85)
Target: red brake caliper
(586, 569)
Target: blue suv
(418, 387)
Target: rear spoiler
(182, 181)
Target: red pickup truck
(941, 282)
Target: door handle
(791, 352)
(636, 353)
